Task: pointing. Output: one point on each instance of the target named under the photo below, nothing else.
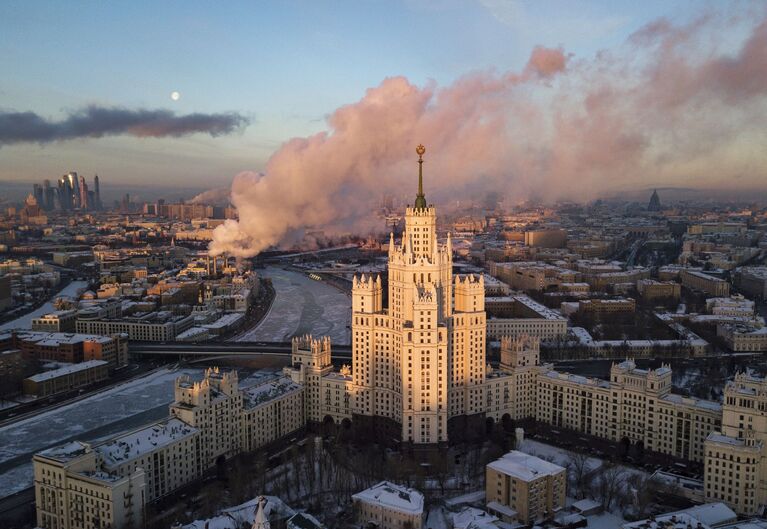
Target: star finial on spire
(420, 199)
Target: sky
(281, 68)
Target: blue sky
(286, 65)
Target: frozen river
(302, 305)
(25, 322)
(100, 416)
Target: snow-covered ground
(72, 290)
(100, 416)
(302, 305)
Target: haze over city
(414, 264)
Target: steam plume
(219, 196)
(95, 122)
(666, 107)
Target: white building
(389, 506)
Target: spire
(420, 199)
(261, 521)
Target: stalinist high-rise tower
(420, 361)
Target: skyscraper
(37, 192)
(74, 189)
(48, 195)
(83, 193)
(97, 193)
(419, 364)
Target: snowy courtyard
(302, 305)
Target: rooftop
(524, 466)
(135, 444)
(255, 395)
(393, 496)
(54, 339)
(65, 452)
(67, 370)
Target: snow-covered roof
(303, 520)
(65, 452)
(67, 370)
(391, 496)
(472, 518)
(704, 516)
(525, 466)
(140, 442)
(255, 395)
(725, 439)
(709, 405)
(244, 514)
(505, 510)
(55, 339)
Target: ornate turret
(261, 521)
(420, 199)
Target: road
(302, 305)
(25, 322)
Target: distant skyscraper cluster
(71, 192)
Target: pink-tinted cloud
(547, 61)
(668, 106)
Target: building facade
(523, 488)
(79, 486)
(389, 506)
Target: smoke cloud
(95, 122)
(219, 196)
(668, 107)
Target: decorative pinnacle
(420, 199)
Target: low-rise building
(606, 306)
(73, 347)
(736, 305)
(696, 280)
(515, 315)
(149, 327)
(650, 289)
(523, 488)
(752, 280)
(58, 321)
(389, 506)
(66, 378)
(743, 337)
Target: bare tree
(610, 482)
(579, 474)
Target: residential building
(149, 327)
(650, 290)
(389, 506)
(66, 378)
(523, 488)
(743, 337)
(696, 280)
(70, 493)
(736, 461)
(58, 321)
(211, 420)
(72, 348)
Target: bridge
(225, 349)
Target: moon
(175, 95)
